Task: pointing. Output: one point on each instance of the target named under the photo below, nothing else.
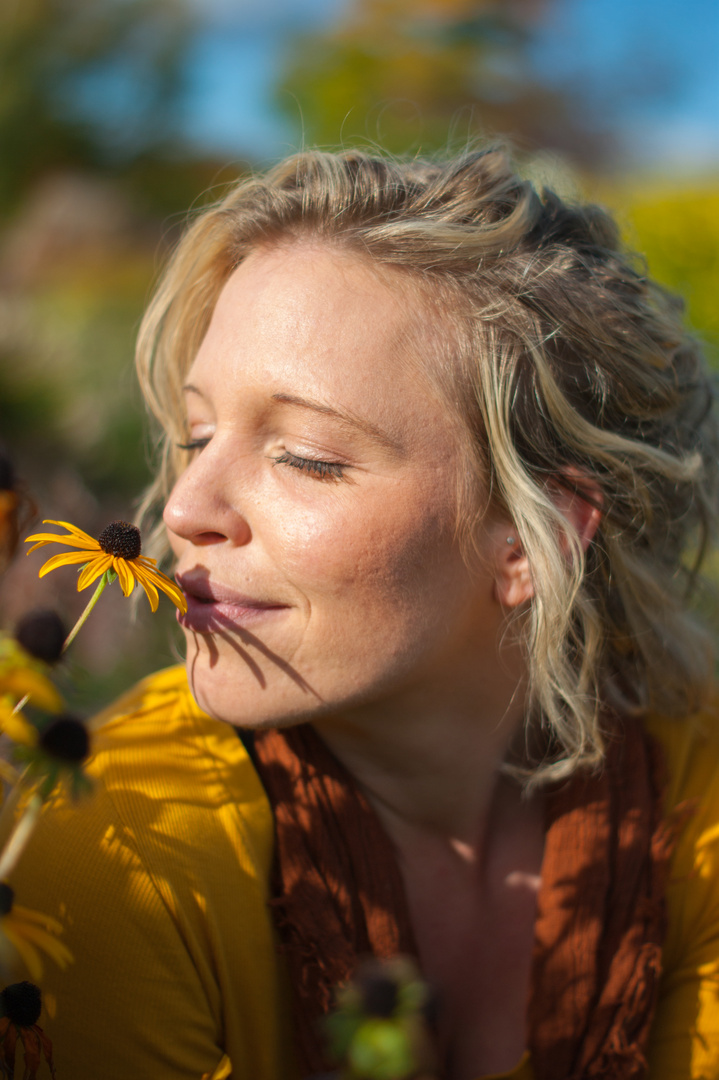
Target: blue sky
(676, 111)
(649, 67)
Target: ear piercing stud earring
(511, 540)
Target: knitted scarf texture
(339, 896)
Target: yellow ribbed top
(161, 882)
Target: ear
(512, 582)
(579, 500)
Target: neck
(430, 761)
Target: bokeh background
(119, 116)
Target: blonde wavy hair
(567, 365)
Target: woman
(434, 454)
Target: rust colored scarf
(600, 922)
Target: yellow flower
(29, 933)
(15, 726)
(116, 550)
(22, 676)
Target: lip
(212, 605)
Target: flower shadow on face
(239, 639)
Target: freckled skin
(379, 599)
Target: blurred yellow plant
(21, 676)
(15, 726)
(28, 933)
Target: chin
(246, 694)
(248, 684)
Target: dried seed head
(7, 898)
(66, 739)
(42, 634)
(121, 539)
(379, 993)
(22, 1003)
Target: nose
(200, 508)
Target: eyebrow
(347, 418)
(326, 410)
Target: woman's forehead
(321, 288)
(320, 321)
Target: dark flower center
(7, 897)
(22, 1003)
(66, 739)
(42, 634)
(379, 994)
(121, 539)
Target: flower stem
(20, 836)
(107, 578)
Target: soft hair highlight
(564, 365)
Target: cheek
(381, 554)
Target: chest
(474, 928)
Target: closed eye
(194, 444)
(322, 470)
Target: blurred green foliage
(66, 388)
(417, 77)
(86, 83)
(94, 181)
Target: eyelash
(322, 470)
(194, 444)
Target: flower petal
(145, 570)
(65, 558)
(169, 587)
(98, 565)
(19, 681)
(122, 569)
(44, 940)
(57, 538)
(79, 534)
(221, 1071)
(32, 1048)
(28, 952)
(17, 728)
(58, 952)
(46, 1045)
(146, 562)
(10, 1046)
(146, 581)
(26, 914)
